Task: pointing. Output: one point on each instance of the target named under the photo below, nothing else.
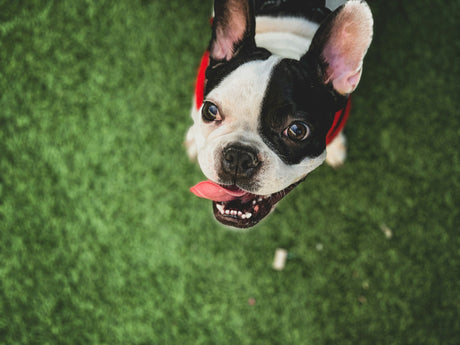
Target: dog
(270, 99)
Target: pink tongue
(215, 192)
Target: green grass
(102, 243)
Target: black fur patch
(294, 94)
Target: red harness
(340, 117)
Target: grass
(101, 242)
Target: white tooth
(254, 202)
(240, 213)
(248, 215)
(227, 211)
(243, 216)
(260, 199)
(221, 208)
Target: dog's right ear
(233, 29)
(340, 44)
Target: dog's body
(275, 80)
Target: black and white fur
(273, 77)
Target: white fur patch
(337, 151)
(288, 37)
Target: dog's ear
(339, 45)
(233, 28)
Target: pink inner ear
(346, 82)
(353, 80)
(344, 54)
(230, 30)
(223, 47)
(349, 40)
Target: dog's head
(263, 123)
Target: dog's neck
(288, 37)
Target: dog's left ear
(340, 44)
(233, 28)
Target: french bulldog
(271, 97)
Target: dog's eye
(297, 131)
(210, 112)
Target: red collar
(340, 117)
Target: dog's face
(263, 123)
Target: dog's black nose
(239, 161)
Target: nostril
(249, 160)
(229, 156)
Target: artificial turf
(102, 243)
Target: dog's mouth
(235, 207)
